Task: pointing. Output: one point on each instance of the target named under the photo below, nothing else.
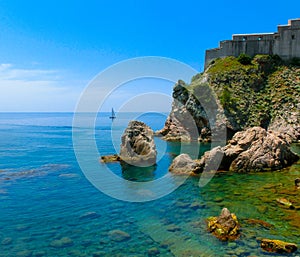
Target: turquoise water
(49, 208)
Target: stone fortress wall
(285, 43)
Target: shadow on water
(194, 149)
(139, 174)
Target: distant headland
(285, 43)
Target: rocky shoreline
(259, 129)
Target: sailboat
(113, 115)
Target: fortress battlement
(285, 43)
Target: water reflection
(139, 174)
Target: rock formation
(188, 119)
(137, 145)
(277, 246)
(263, 93)
(253, 150)
(183, 165)
(225, 227)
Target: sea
(58, 199)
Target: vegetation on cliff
(264, 92)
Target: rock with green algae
(225, 227)
(278, 246)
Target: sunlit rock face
(137, 145)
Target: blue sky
(50, 50)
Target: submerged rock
(260, 223)
(183, 165)
(253, 150)
(137, 146)
(225, 227)
(277, 246)
(24, 253)
(61, 243)
(89, 215)
(6, 241)
(118, 235)
(153, 251)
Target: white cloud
(35, 90)
(8, 72)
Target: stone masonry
(285, 43)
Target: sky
(51, 50)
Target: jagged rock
(110, 158)
(187, 120)
(174, 131)
(137, 146)
(277, 246)
(288, 126)
(183, 164)
(118, 235)
(209, 159)
(253, 150)
(225, 227)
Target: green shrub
(244, 59)
(295, 61)
(225, 97)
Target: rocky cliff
(265, 92)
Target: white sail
(113, 115)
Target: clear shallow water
(48, 208)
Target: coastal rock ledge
(253, 150)
(137, 145)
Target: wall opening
(293, 37)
